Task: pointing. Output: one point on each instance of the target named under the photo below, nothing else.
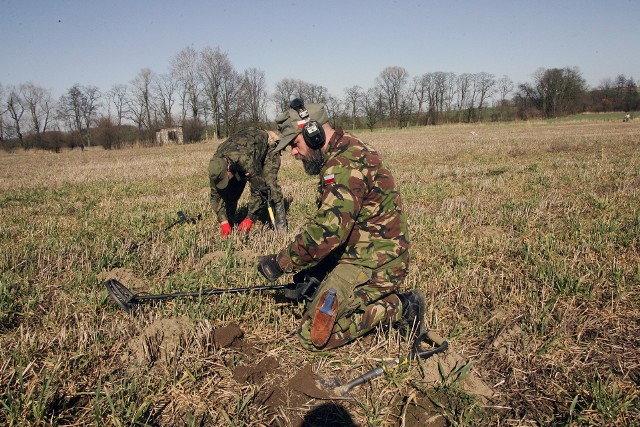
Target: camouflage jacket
(360, 218)
(251, 155)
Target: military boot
(280, 215)
(413, 309)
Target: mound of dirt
(420, 411)
(161, 342)
(227, 335)
(255, 374)
(292, 397)
(124, 276)
(164, 341)
(453, 364)
(304, 382)
(216, 258)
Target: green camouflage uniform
(359, 236)
(251, 156)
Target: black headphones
(313, 133)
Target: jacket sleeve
(343, 192)
(218, 205)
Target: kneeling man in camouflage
(357, 245)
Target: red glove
(245, 225)
(226, 229)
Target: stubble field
(525, 240)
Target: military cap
(218, 172)
(290, 124)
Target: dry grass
(525, 238)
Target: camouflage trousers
(366, 299)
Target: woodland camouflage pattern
(252, 152)
(361, 223)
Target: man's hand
(269, 268)
(245, 225)
(264, 192)
(225, 229)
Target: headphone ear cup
(313, 135)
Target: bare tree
(39, 102)
(451, 92)
(312, 93)
(15, 108)
(464, 89)
(230, 109)
(555, 92)
(141, 98)
(504, 87)
(79, 107)
(288, 89)
(423, 86)
(165, 90)
(372, 106)
(3, 111)
(440, 91)
(92, 97)
(254, 88)
(334, 110)
(184, 68)
(486, 87)
(353, 95)
(392, 82)
(406, 104)
(118, 96)
(285, 91)
(215, 67)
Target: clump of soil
(255, 374)
(420, 411)
(451, 364)
(124, 276)
(165, 340)
(298, 399)
(162, 342)
(227, 335)
(216, 258)
(292, 397)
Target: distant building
(169, 136)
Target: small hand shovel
(331, 388)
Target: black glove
(269, 268)
(264, 192)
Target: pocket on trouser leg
(344, 278)
(324, 318)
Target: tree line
(204, 94)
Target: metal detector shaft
(127, 300)
(265, 193)
(205, 293)
(181, 218)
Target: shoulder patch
(329, 179)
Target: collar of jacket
(331, 145)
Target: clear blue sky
(336, 44)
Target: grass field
(526, 240)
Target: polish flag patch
(301, 123)
(329, 179)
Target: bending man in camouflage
(249, 155)
(357, 244)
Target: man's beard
(313, 162)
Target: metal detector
(128, 301)
(265, 193)
(181, 219)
